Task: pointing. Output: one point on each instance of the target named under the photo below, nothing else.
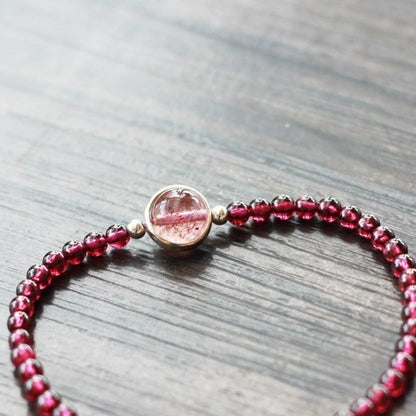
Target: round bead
(402, 263)
(407, 344)
(95, 244)
(409, 311)
(380, 237)
(47, 402)
(362, 407)
(28, 288)
(39, 273)
(55, 262)
(349, 217)
(18, 320)
(260, 210)
(28, 369)
(394, 248)
(20, 336)
(74, 252)
(366, 225)
(117, 235)
(219, 215)
(21, 353)
(238, 213)
(136, 229)
(306, 207)
(283, 207)
(65, 410)
(23, 304)
(404, 363)
(381, 397)
(394, 381)
(407, 279)
(329, 209)
(409, 295)
(409, 327)
(35, 386)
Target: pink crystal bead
(283, 207)
(366, 225)
(74, 252)
(329, 209)
(39, 273)
(260, 210)
(394, 248)
(402, 263)
(47, 402)
(381, 397)
(28, 369)
(117, 236)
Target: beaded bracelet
(179, 218)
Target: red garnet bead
(329, 209)
(283, 207)
(23, 304)
(404, 363)
(394, 248)
(381, 397)
(362, 407)
(22, 353)
(306, 207)
(18, 320)
(407, 344)
(55, 262)
(28, 369)
(39, 273)
(28, 288)
(20, 336)
(95, 244)
(74, 252)
(408, 278)
(402, 263)
(238, 213)
(349, 217)
(409, 311)
(47, 402)
(260, 210)
(65, 410)
(35, 386)
(395, 381)
(380, 237)
(366, 225)
(409, 295)
(409, 327)
(117, 236)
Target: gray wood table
(104, 102)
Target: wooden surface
(104, 102)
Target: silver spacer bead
(136, 229)
(219, 215)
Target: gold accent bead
(219, 215)
(136, 229)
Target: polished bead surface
(407, 344)
(409, 295)
(28, 369)
(409, 327)
(238, 213)
(349, 217)
(404, 363)
(329, 209)
(380, 237)
(34, 387)
(306, 208)
(283, 207)
(260, 210)
(394, 248)
(394, 381)
(95, 244)
(219, 215)
(20, 336)
(136, 229)
(65, 410)
(55, 262)
(74, 252)
(18, 320)
(28, 288)
(407, 279)
(47, 402)
(381, 397)
(362, 407)
(21, 353)
(402, 263)
(117, 236)
(409, 311)
(23, 304)
(39, 273)
(366, 225)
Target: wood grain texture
(104, 102)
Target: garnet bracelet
(179, 218)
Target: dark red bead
(409, 295)
(65, 410)
(95, 244)
(395, 381)
(404, 363)
(20, 336)
(28, 288)
(55, 262)
(409, 311)
(283, 207)
(23, 304)
(74, 252)
(329, 209)
(238, 213)
(35, 386)
(306, 207)
(47, 403)
(409, 327)
(366, 225)
(402, 263)
(381, 397)
(363, 407)
(394, 248)
(18, 320)
(260, 210)
(380, 237)
(21, 353)
(28, 369)
(408, 278)
(39, 273)
(407, 344)
(117, 236)
(349, 217)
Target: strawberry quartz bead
(381, 397)
(402, 263)
(55, 262)
(329, 209)
(404, 363)
(28, 288)
(35, 386)
(117, 236)
(283, 207)
(380, 237)
(349, 217)
(18, 320)
(238, 213)
(39, 273)
(74, 252)
(395, 382)
(394, 248)
(407, 279)
(409, 295)
(260, 210)
(28, 369)
(363, 407)
(23, 304)
(47, 402)
(366, 225)
(20, 336)
(95, 244)
(409, 327)
(22, 353)
(407, 344)
(306, 207)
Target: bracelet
(179, 218)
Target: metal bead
(219, 215)
(136, 229)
